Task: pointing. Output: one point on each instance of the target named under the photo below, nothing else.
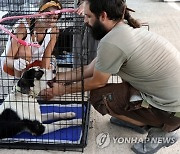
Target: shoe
(138, 129)
(155, 140)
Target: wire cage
(69, 54)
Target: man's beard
(98, 30)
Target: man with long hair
(149, 66)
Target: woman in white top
(16, 58)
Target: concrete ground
(164, 19)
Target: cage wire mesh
(70, 113)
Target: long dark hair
(114, 8)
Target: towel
(71, 135)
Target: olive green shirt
(146, 60)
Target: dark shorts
(119, 105)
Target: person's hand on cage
(20, 64)
(80, 10)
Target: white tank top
(37, 53)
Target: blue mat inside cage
(71, 135)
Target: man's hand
(57, 89)
(80, 9)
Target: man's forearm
(97, 80)
(78, 86)
(76, 74)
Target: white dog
(20, 111)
